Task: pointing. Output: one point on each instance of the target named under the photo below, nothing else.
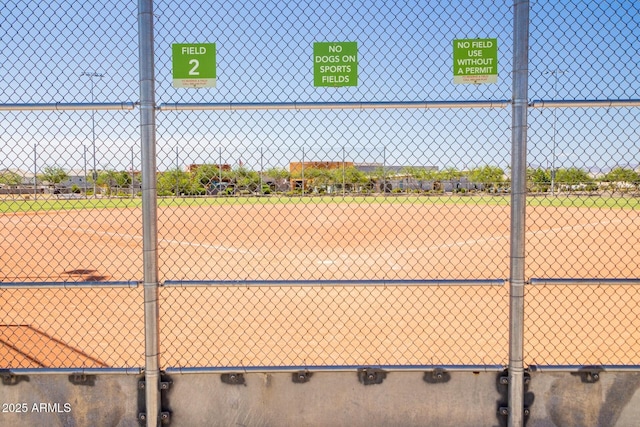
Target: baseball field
(242, 323)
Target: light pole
(91, 75)
(84, 154)
(133, 175)
(384, 165)
(261, 166)
(220, 174)
(343, 174)
(555, 73)
(35, 171)
(177, 171)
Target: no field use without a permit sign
(475, 61)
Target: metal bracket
(436, 376)
(589, 374)
(164, 385)
(233, 379)
(301, 377)
(504, 411)
(502, 384)
(82, 379)
(504, 378)
(10, 379)
(369, 376)
(165, 417)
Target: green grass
(40, 205)
(597, 202)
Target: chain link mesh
(318, 194)
(71, 328)
(583, 214)
(581, 325)
(68, 209)
(328, 194)
(334, 325)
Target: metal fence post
(149, 212)
(518, 211)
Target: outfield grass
(598, 202)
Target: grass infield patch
(42, 205)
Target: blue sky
(264, 54)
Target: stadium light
(91, 75)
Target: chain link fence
(335, 325)
(82, 327)
(583, 217)
(267, 181)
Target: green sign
(194, 65)
(335, 64)
(475, 61)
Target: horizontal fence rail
(342, 283)
(292, 369)
(332, 105)
(71, 371)
(586, 103)
(589, 282)
(59, 106)
(583, 368)
(68, 285)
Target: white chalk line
(133, 237)
(325, 261)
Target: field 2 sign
(194, 65)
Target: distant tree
(123, 179)
(354, 177)
(10, 178)
(246, 179)
(320, 177)
(54, 175)
(379, 175)
(204, 175)
(107, 180)
(622, 175)
(539, 179)
(572, 179)
(277, 173)
(449, 174)
(572, 176)
(419, 173)
(489, 176)
(280, 175)
(174, 182)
